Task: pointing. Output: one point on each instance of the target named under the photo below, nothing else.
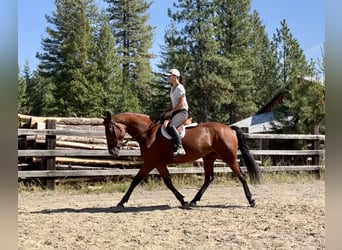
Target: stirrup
(180, 151)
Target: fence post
(315, 159)
(50, 160)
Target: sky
(305, 19)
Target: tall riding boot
(178, 141)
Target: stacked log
(75, 142)
(39, 122)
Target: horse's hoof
(193, 204)
(252, 203)
(118, 208)
(186, 205)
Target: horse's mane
(132, 117)
(137, 124)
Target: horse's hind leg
(248, 194)
(229, 156)
(208, 162)
(237, 171)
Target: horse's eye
(109, 129)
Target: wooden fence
(52, 171)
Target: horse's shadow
(94, 210)
(222, 206)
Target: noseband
(112, 125)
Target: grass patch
(154, 182)
(30, 186)
(291, 177)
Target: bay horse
(210, 141)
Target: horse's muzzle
(114, 151)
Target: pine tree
(42, 101)
(321, 66)
(169, 51)
(68, 58)
(303, 105)
(161, 87)
(263, 63)
(291, 62)
(235, 32)
(117, 96)
(22, 94)
(221, 47)
(197, 55)
(134, 39)
(303, 108)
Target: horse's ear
(107, 116)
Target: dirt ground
(287, 216)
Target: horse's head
(114, 134)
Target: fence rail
(136, 152)
(96, 133)
(133, 172)
(51, 152)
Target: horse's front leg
(200, 192)
(165, 174)
(208, 162)
(142, 173)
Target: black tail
(252, 166)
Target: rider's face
(172, 79)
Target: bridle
(111, 126)
(134, 137)
(123, 142)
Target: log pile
(73, 142)
(38, 122)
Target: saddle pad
(182, 134)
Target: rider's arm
(168, 109)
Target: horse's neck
(137, 128)
(135, 131)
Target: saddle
(181, 129)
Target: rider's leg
(175, 121)
(177, 139)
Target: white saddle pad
(166, 134)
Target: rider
(178, 108)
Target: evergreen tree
(303, 108)
(168, 57)
(197, 55)
(303, 105)
(321, 66)
(22, 95)
(291, 61)
(222, 48)
(42, 101)
(235, 32)
(133, 40)
(68, 58)
(170, 50)
(116, 97)
(264, 60)
(34, 96)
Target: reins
(152, 125)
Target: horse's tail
(252, 166)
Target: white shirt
(176, 93)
